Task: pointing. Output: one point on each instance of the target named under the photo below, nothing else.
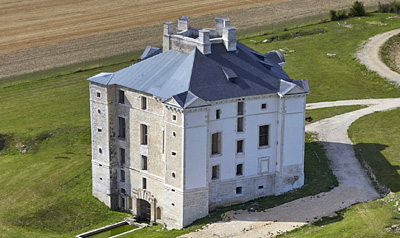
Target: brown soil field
(43, 34)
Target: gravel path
(369, 56)
(354, 185)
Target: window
(174, 134)
(144, 183)
(121, 127)
(173, 117)
(122, 155)
(238, 190)
(239, 169)
(144, 103)
(260, 187)
(99, 129)
(173, 175)
(263, 106)
(239, 146)
(263, 135)
(240, 124)
(217, 114)
(121, 96)
(143, 134)
(216, 143)
(240, 106)
(98, 111)
(122, 176)
(98, 94)
(173, 153)
(100, 151)
(144, 162)
(215, 172)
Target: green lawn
(333, 78)
(45, 150)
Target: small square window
(260, 187)
(215, 172)
(173, 117)
(217, 114)
(173, 153)
(98, 94)
(99, 130)
(264, 106)
(238, 190)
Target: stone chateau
(203, 122)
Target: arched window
(158, 213)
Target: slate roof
(216, 76)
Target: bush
(393, 7)
(333, 14)
(383, 7)
(357, 9)
(342, 14)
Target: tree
(357, 9)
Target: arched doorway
(144, 209)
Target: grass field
(45, 134)
(379, 146)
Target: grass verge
(390, 51)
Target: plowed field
(42, 34)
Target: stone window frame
(239, 190)
(173, 115)
(243, 151)
(262, 106)
(219, 172)
(269, 137)
(218, 113)
(242, 174)
(121, 96)
(220, 144)
(143, 103)
(98, 94)
(141, 134)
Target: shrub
(333, 14)
(357, 9)
(383, 7)
(342, 14)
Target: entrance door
(144, 209)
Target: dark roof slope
(172, 73)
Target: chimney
(183, 24)
(219, 25)
(168, 30)
(229, 37)
(204, 44)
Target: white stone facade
(174, 164)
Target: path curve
(354, 185)
(370, 57)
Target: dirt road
(43, 34)
(369, 56)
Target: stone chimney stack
(219, 25)
(204, 44)
(183, 24)
(229, 37)
(168, 31)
